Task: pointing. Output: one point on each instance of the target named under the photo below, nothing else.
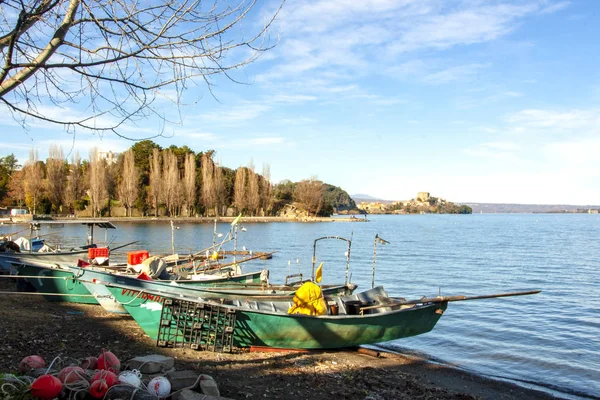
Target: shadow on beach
(32, 325)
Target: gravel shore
(31, 325)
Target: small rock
(191, 395)
(128, 392)
(152, 364)
(209, 386)
(182, 379)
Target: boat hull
(330, 332)
(65, 285)
(257, 328)
(56, 284)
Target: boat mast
(347, 254)
(382, 241)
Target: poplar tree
(75, 189)
(220, 192)
(33, 180)
(239, 189)
(156, 182)
(171, 180)
(98, 179)
(55, 177)
(252, 192)
(266, 190)
(209, 194)
(129, 187)
(189, 183)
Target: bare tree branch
(115, 59)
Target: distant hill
(499, 208)
(360, 198)
(528, 208)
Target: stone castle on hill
(424, 203)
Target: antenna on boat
(347, 254)
(173, 227)
(375, 241)
(215, 234)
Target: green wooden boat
(60, 283)
(265, 322)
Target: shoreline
(202, 220)
(29, 325)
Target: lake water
(548, 341)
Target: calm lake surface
(549, 341)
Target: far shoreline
(202, 220)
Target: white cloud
(454, 73)
(266, 140)
(295, 121)
(552, 8)
(196, 135)
(495, 150)
(354, 39)
(243, 112)
(565, 121)
(578, 157)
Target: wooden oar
(443, 299)
(124, 245)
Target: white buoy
(132, 378)
(159, 386)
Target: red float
(72, 374)
(31, 362)
(46, 387)
(108, 361)
(109, 377)
(101, 382)
(89, 363)
(98, 389)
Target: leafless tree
(209, 194)
(189, 183)
(98, 179)
(118, 58)
(219, 190)
(156, 182)
(252, 191)
(129, 187)
(171, 191)
(266, 190)
(55, 176)
(310, 193)
(239, 189)
(33, 180)
(15, 187)
(75, 183)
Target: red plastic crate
(94, 252)
(136, 257)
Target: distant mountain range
(491, 208)
(365, 198)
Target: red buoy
(98, 389)
(46, 387)
(101, 382)
(72, 374)
(31, 362)
(89, 363)
(108, 361)
(109, 377)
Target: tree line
(148, 180)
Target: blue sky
(472, 101)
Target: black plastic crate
(201, 326)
